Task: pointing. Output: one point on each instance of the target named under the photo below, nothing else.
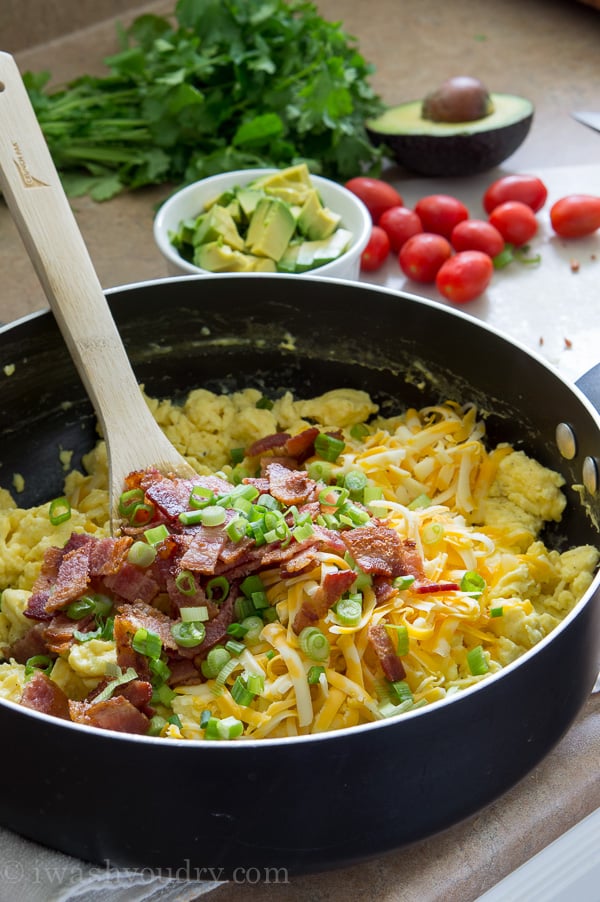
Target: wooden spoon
(39, 206)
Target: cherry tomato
(528, 189)
(376, 252)
(422, 255)
(439, 213)
(464, 276)
(575, 215)
(376, 195)
(515, 221)
(400, 223)
(477, 235)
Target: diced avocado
(291, 185)
(263, 264)
(315, 220)
(218, 224)
(218, 257)
(222, 199)
(310, 254)
(234, 207)
(271, 228)
(248, 199)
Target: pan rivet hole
(565, 441)
(590, 475)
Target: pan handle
(589, 384)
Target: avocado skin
(454, 154)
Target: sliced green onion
(39, 662)
(200, 497)
(243, 607)
(147, 643)
(205, 717)
(189, 633)
(159, 670)
(403, 582)
(185, 581)
(420, 501)
(329, 447)
(353, 515)
(240, 692)
(497, 612)
(141, 514)
(175, 719)
(217, 589)
(349, 610)
(314, 674)
(156, 534)
(472, 582)
(319, 470)
(119, 680)
(224, 674)
(477, 661)
(192, 614)
(129, 500)
(314, 643)
(236, 529)
(269, 502)
(234, 647)
(401, 631)
(59, 511)
(432, 533)
(237, 455)
(264, 403)
(236, 629)
(215, 661)
(163, 695)
(191, 518)
(333, 496)
(252, 584)
(355, 481)
(81, 608)
(156, 725)
(141, 555)
(104, 631)
(401, 690)
(359, 432)
(229, 728)
(213, 516)
(253, 626)
(303, 532)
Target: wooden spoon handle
(42, 213)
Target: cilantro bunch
(220, 85)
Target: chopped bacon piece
(131, 618)
(425, 587)
(331, 590)
(302, 445)
(72, 580)
(132, 584)
(42, 694)
(171, 496)
(204, 549)
(31, 644)
(59, 632)
(116, 713)
(268, 443)
(183, 672)
(382, 645)
(379, 550)
(383, 589)
(139, 693)
(108, 555)
(290, 486)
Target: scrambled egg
(533, 587)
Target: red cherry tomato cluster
(440, 242)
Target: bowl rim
(170, 253)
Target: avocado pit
(459, 99)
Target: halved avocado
(452, 148)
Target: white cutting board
(549, 308)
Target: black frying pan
(322, 801)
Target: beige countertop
(547, 50)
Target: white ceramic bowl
(189, 202)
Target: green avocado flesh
(453, 148)
(406, 119)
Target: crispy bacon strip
(329, 592)
(379, 550)
(42, 694)
(116, 713)
(382, 645)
